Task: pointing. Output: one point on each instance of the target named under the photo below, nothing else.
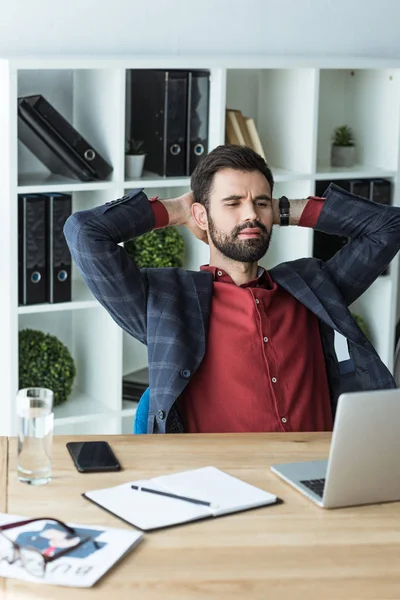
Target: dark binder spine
(42, 140)
(165, 127)
(91, 158)
(32, 259)
(147, 107)
(381, 191)
(198, 117)
(59, 208)
(175, 127)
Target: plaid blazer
(168, 309)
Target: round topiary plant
(159, 248)
(44, 361)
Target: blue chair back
(142, 413)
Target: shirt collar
(263, 278)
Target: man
(234, 348)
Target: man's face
(240, 215)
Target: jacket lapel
(290, 280)
(203, 282)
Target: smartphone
(92, 457)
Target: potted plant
(44, 361)
(160, 248)
(343, 147)
(134, 159)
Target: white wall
(304, 27)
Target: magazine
(82, 567)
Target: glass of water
(35, 434)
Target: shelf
(286, 175)
(80, 408)
(356, 172)
(151, 180)
(38, 183)
(82, 299)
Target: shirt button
(161, 415)
(274, 380)
(219, 273)
(257, 301)
(185, 373)
(284, 420)
(265, 339)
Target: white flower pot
(343, 156)
(134, 165)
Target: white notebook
(145, 510)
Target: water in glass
(35, 436)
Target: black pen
(159, 493)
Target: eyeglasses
(32, 558)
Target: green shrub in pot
(159, 248)
(46, 362)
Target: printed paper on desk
(81, 567)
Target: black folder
(198, 109)
(360, 187)
(377, 190)
(381, 191)
(59, 208)
(158, 118)
(32, 261)
(325, 244)
(169, 113)
(49, 136)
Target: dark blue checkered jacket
(168, 309)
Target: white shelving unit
(296, 104)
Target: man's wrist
(296, 208)
(178, 210)
(161, 217)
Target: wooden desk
(295, 550)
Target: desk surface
(293, 550)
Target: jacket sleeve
(374, 232)
(93, 237)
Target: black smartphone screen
(93, 456)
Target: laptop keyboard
(315, 485)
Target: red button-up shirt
(264, 367)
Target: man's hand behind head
(180, 213)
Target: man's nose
(249, 212)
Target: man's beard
(245, 251)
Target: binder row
(44, 260)
(377, 190)
(169, 113)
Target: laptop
(364, 459)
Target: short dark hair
(228, 156)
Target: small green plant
(135, 147)
(44, 361)
(160, 248)
(343, 136)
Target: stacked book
(242, 130)
(134, 384)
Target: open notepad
(147, 511)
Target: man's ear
(199, 214)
